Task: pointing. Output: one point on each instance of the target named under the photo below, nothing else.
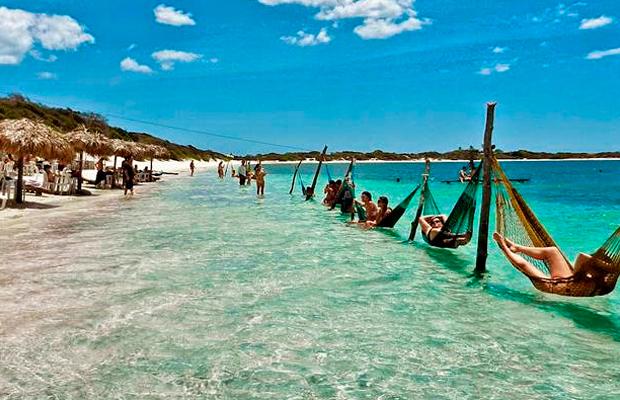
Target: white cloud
(132, 46)
(385, 28)
(167, 58)
(47, 76)
(169, 16)
(381, 18)
(502, 67)
(214, 60)
(131, 65)
(499, 50)
(593, 23)
(21, 30)
(499, 68)
(37, 55)
(304, 39)
(596, 55)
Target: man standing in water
(220, 170)
(192, 167)
(241, 173)
(128, 175)
(260, 180)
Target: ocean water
(197, 289)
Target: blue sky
(399, 75)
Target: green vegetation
(459, 154)
(65, 119)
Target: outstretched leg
(519, 262)
(558, 266)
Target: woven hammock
(343, 188)
(458, 228)
(595, 276)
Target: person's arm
(424, 225)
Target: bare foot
(505, 242)
(498, 238)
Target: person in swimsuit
(383, 211)
(260, 180)
(220, 170)
(432, 225)
(192, 168)
(463, 175)
(370, 208)
(552, 256)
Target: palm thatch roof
(155, 151)
(122, 148)
(25, 136)
(91, 142)
(162, 153)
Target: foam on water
(200, 290)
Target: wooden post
(483, 229)
(316, 174)
(80, 173)
(418, 214)
(114, 173)
(19, 184)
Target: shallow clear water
(199, 290)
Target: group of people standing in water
(245, 173)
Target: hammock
(595, 276)
(392, 218)
(329, 175)
(303, 186)
(343, 186)
(361, 212)
(457, 230)
(309, 192)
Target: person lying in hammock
(383, 211)
(366, 209)
(558, 266)
(330, 192)
(432, 227)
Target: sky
(397, 75)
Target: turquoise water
(197, 289)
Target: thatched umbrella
(156, 151)
(23, 137)
(84, 140)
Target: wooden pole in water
(418, 214)
(316, 174)
(483, 228)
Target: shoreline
(47, 204)
(437, 160)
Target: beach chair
(65, 183)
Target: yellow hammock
(595, 276)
